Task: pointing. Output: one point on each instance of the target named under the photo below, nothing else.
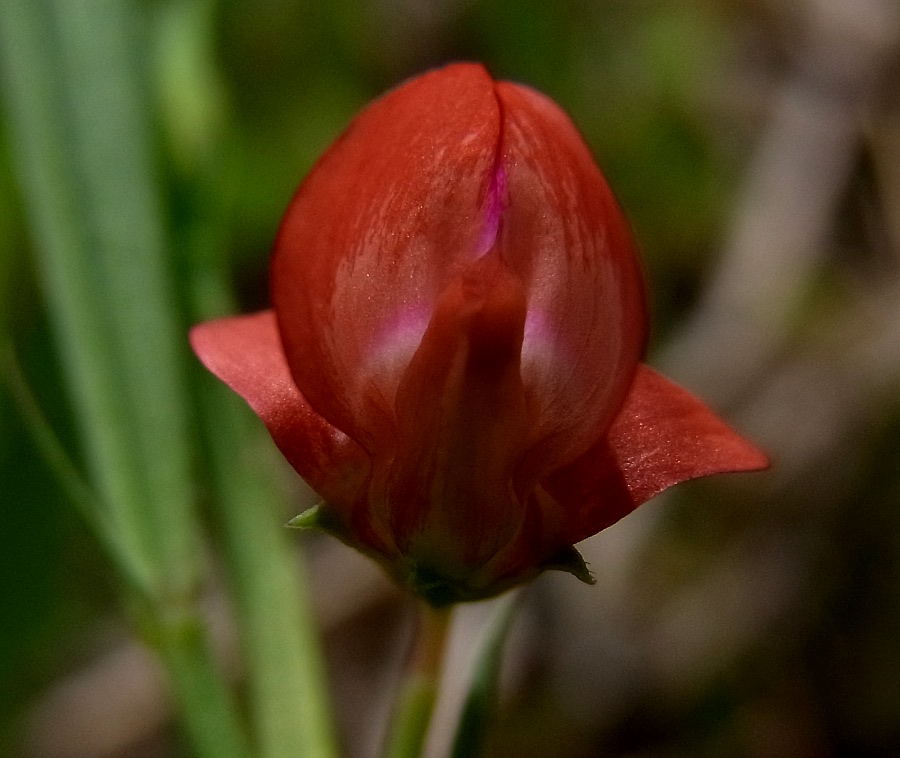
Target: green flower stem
(286, 688)
(420, 688)
(481, 701)
(285, 671)
(181, 642)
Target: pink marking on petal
(496, 203)
(394, 344)
(386, 217)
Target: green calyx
(437, 590)
(434, 586)
(440, 591)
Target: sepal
(320, 518)
(572, 562)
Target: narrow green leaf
(99, 52)
(45, 162)
(82, 151)
(69, 478)
(80, 139)
(286, 690)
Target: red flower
(453, 358)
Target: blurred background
(755, 147)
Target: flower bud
(452, 359)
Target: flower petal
(565, 236)
(462, 422)
(662, 436)
(245, 353)
(373, 235)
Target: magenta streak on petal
(496, 201)
(395, 343)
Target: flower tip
(757, 460)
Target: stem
(286, 689)
(416, 702)
(203, 701)
(287, 692)
(481, 702)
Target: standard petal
(662, 436)
(565, 236)
(374, 233)
(245, 353)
